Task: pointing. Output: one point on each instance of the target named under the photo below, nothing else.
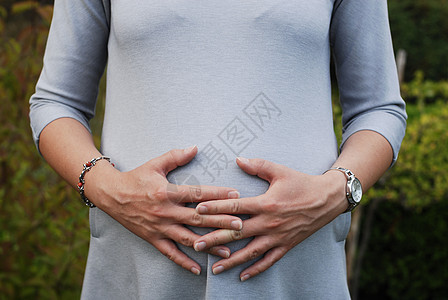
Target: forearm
(66, 145)
(368, 155)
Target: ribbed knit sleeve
(366, 72)
(74, 61)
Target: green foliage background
(44, 230)
(407, 257)
(421, 28)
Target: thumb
(262, 168)
(174, 158)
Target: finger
(169, 249)
(198, 193)
(264, 169)
(251, 227)
(189, 216)
(173, 159)
(249, 205)
(256, 248)
(221, 251)
(223, 236)
(186, 237)
(269, 259)
(215, 237)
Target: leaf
(23, 6)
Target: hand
(144, 202)
(295, 206)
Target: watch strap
(350, 176)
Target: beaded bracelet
(87, 167)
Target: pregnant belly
(196, 173)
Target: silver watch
(353, 189)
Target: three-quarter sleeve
(366, 71)
(74, 61)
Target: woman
(239, 79)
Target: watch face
(356, 190)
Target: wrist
(335, 183)
(100, 182)
(353, 189)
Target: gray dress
(249, 78)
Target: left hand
(295, 206)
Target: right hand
(144, 202)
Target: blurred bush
(420, 176)
(420, 27)
(421, 92)
(407, 255)
(43, 228)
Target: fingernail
(189, 149)
(200, 246)
(237, 225)
(223, 253)
(243, 160)
(234, 194)
(245, 277)
(202, 209)
(218, 270)
(195, 271)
